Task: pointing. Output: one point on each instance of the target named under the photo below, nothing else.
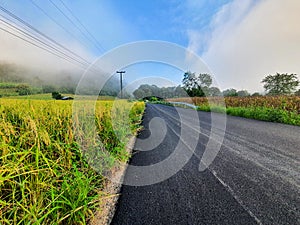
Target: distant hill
(14, 77)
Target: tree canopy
(230, 92)
(146, 90)
(280, 84)
(199, 85)
(243, 93)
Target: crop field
(282, 109)
(44, 177)
(8, 89)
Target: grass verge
(258, 113)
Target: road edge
(112, 190)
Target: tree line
(26, 82)
(200, 85)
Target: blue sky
(225, 33)
(118, 22)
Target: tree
(205, 80)
(256, 94)
(297, 93)
(56, 95)
(280, 84)
(196, 85)
(230, 92)
(138, 93)
(146, 90)
(48, 88)
(180, 92)
(243, 93)
(24, 89)
(214, 91)
(11, 73)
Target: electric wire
(40, 42)
(45, 49)
(75, 25)
(84, 27)
(57, 23)
(41, 33)
(43, 42)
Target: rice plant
(44, 177)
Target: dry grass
(288, 103)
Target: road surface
(255, 178)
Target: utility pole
(121, 81)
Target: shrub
(56, 95)
(24, 89)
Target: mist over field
(63, 80)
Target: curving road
(255, 178)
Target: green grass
(9, 89)
(5, 92)
(258, 113)
(8, 85)
(47, 96)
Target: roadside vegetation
(281, 102)
(44, 178)
(281, 109)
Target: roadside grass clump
(266, 114)
(213, 108)
(135, 115)
(258, 113)
(44, 177)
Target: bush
(56, 95)
(24, 89)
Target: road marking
(230, 190)
(229, 148)
(214, 173)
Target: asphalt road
(255, 178)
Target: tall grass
(44, 178)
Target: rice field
(44, 177)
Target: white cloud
(195, 40)
(249, 42)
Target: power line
(43, 41)
(74, 24)
(84, 27)
(15, 35)
(40, 33)
(57, 23)
(35, 39)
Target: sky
(241, 41)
